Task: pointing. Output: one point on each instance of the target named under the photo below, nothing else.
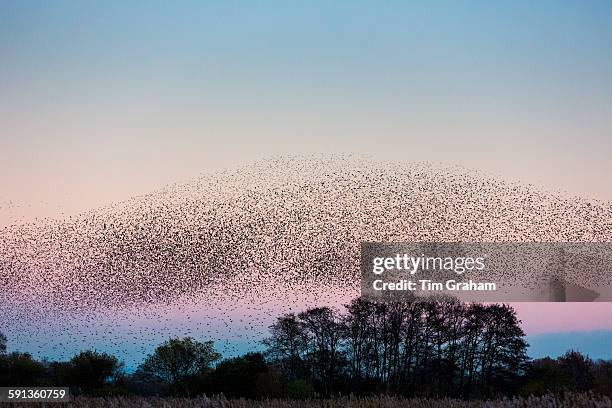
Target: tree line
(417, 348)
(433, 349)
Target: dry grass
(567, 400)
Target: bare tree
(324, 333)
(287, 345)
(417, 348)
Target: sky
(101, 101)
(594, 343)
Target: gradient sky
(100, 101)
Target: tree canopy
(176, 360)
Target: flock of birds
(220, 256)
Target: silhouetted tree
(572, 371)
(147, 384)
(416, 348)
(90, 371)
(240, 376)
(602, 377)
(287, 346)
(20, 369)
(502, 351)
(177, 360)
(579, 370)
(324, 356)
(543, 376)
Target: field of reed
(569, 400)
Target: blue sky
(595, 343)
(114, 99)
